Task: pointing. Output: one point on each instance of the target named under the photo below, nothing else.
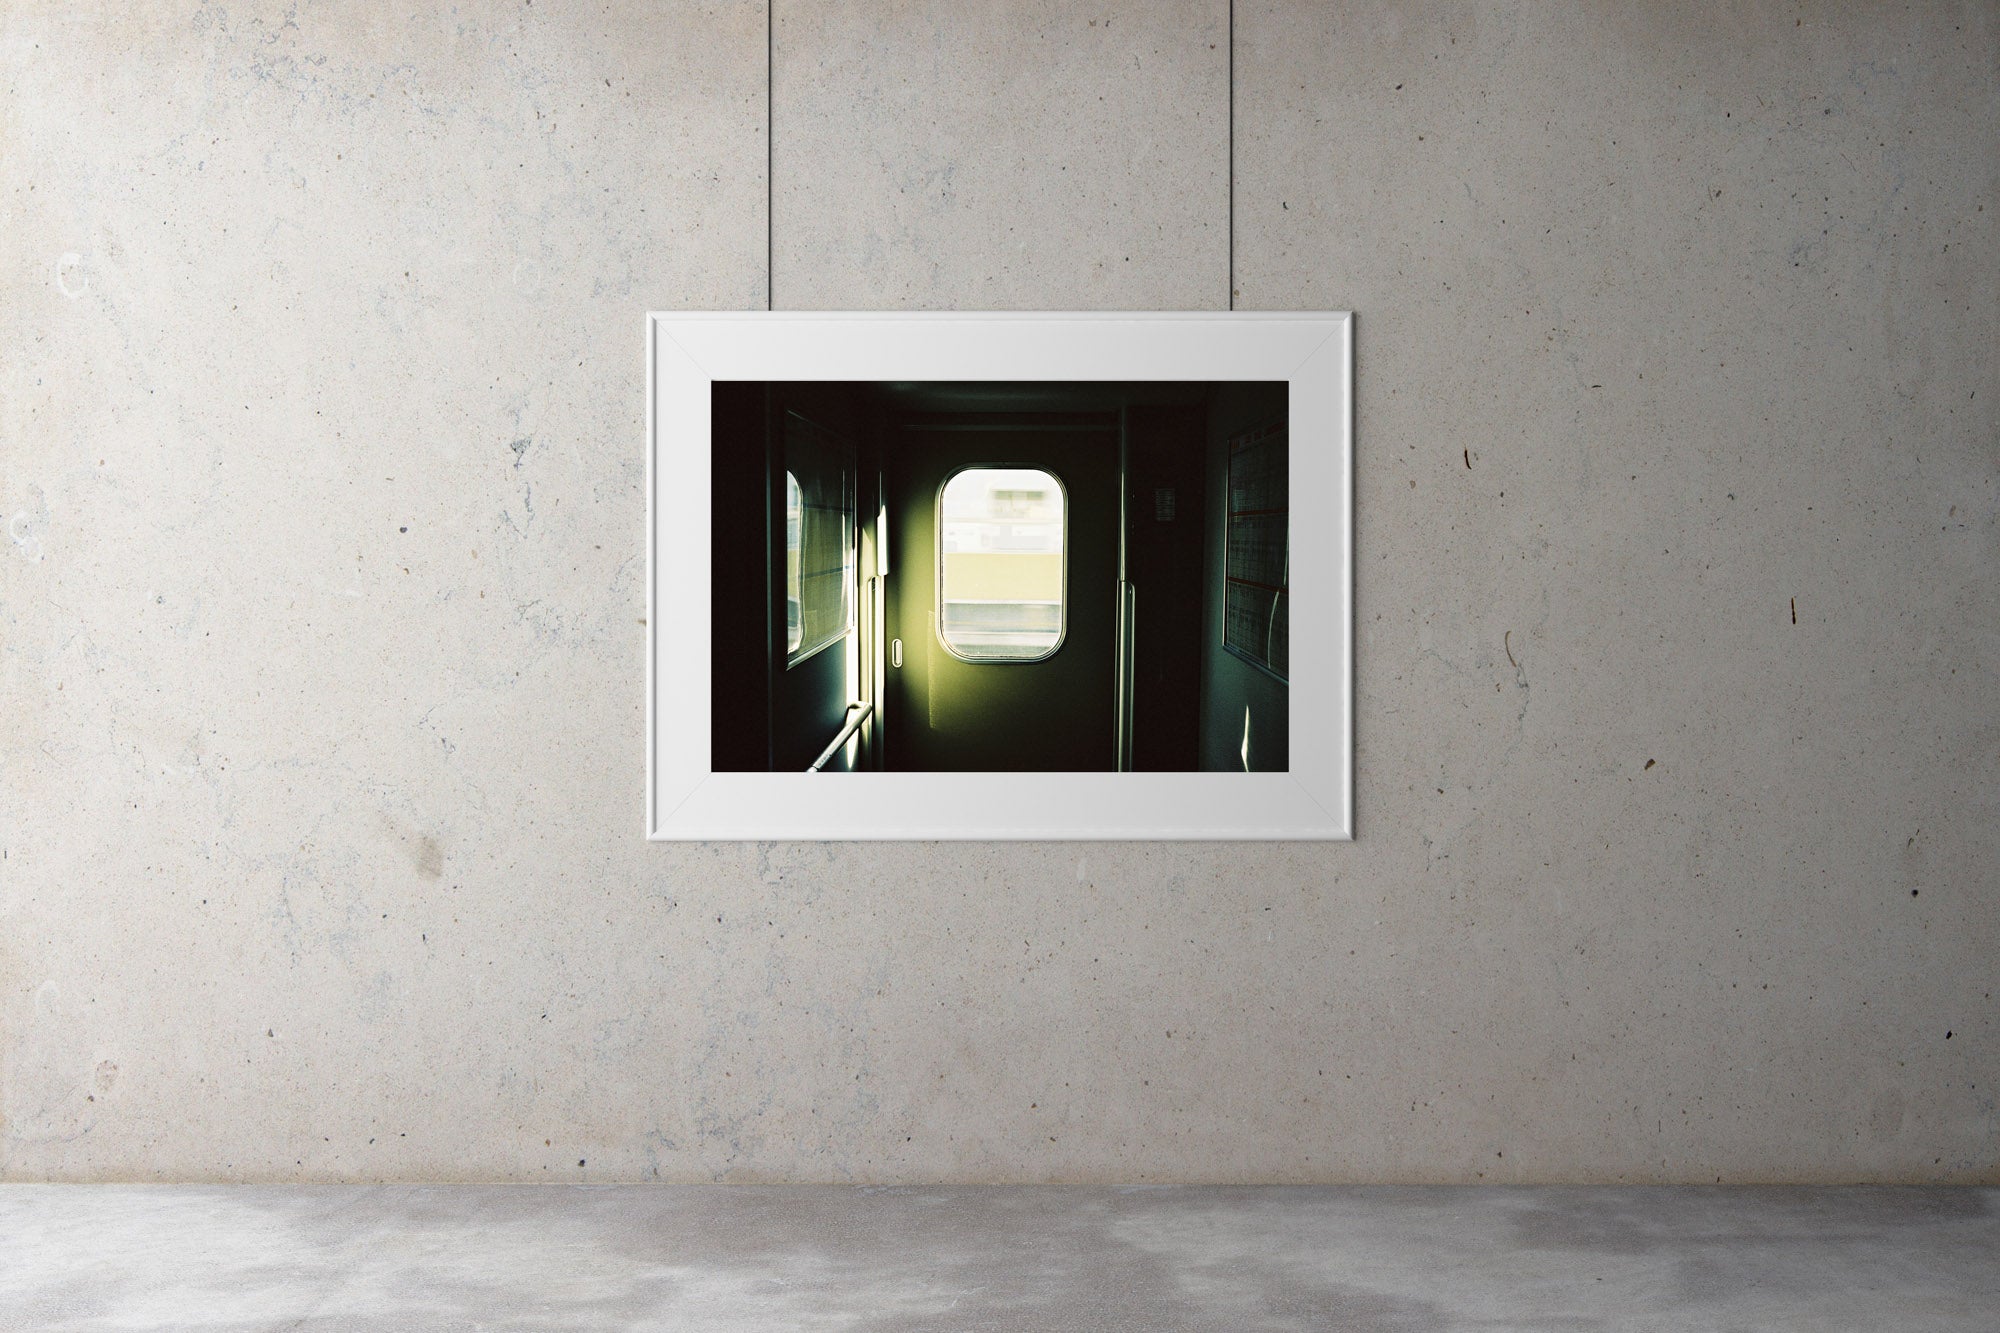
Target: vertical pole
(1121, 737)
(774, 565)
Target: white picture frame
(686, 353)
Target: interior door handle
(857, 713)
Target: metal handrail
(1128, 668)
(857, 712)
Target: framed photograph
(923, 576)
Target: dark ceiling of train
(1053, 396)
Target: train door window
(819, 538)
(1001, 535)
(795, 520)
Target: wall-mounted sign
(1256, 620)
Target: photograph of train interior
(999, 577)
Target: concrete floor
(1060, 1258)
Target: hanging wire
(770, 153)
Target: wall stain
(430, 858)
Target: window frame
(937, 549)
(851, 563)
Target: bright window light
(1000, 562)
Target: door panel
(807, 710)
(813, 481)
(947, 714)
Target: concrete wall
(1678, 617)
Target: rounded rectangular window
(1000, 564)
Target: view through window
(1001, 564)
(819, 538)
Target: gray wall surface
(1678, 624)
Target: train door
(1001, 614)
